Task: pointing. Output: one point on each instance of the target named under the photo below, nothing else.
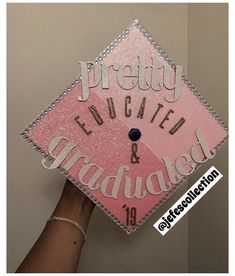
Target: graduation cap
(129, 130)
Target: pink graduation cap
(129, 130)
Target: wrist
(74, 205)
(72, 193)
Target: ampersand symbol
(134, 157)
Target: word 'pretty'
(153, 76)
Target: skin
(59, 246)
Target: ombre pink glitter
(109, 147)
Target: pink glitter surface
(108, 145)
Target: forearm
(59, 246)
